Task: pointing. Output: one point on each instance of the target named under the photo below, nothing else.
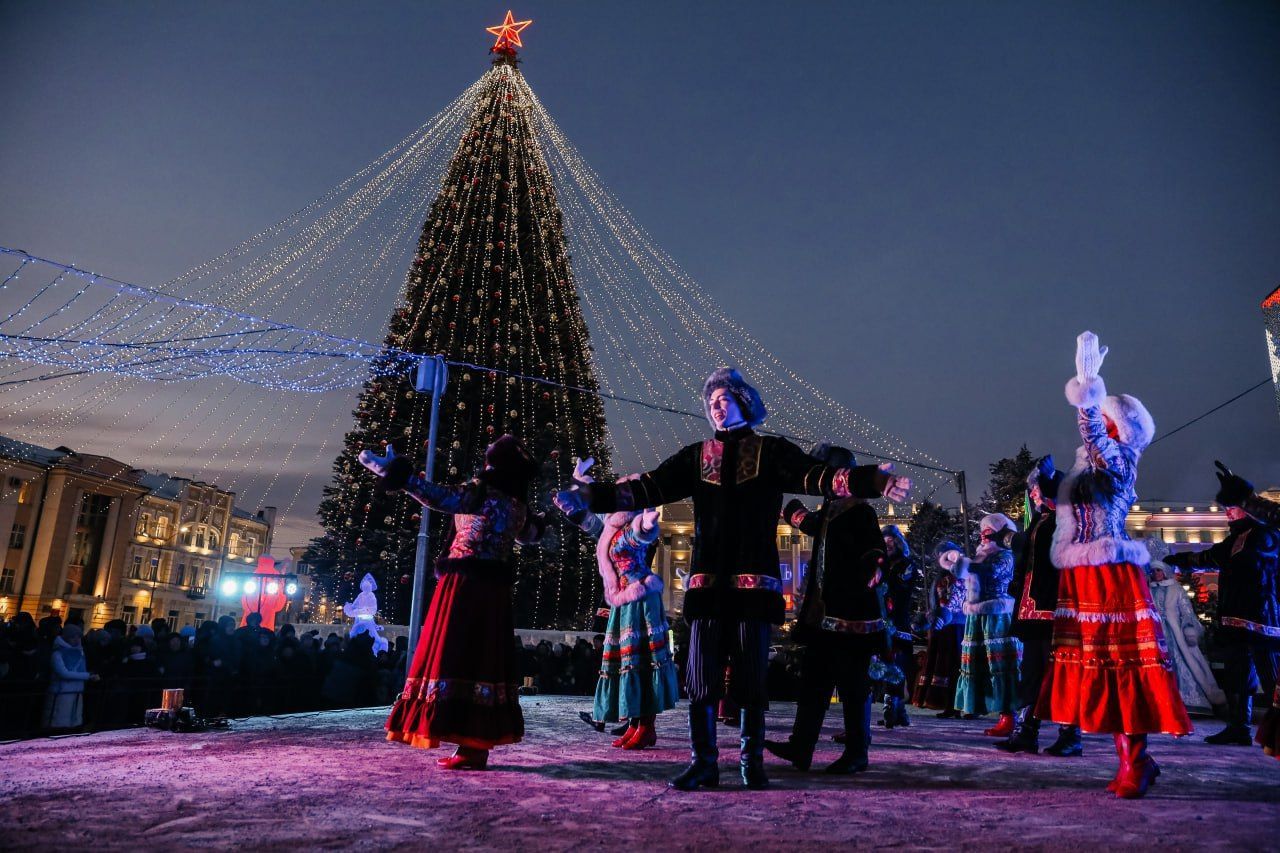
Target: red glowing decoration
(508, 33)
(268, 598)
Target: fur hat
(995, 522)
(747, 398)
(1046, 476)
(832, 455)
(892, 530)
(508, 467)
(1134, 425)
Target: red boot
(645, 734)
(465, 759)
(1138, 771)
(1002, 728)
(627, 736)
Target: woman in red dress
(462, 684)
(1110, 670)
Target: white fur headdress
(1134, 425)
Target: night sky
(916, 205)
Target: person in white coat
(64, 702)
(1183, 631)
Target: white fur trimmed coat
(1095, 497)
(622, 549)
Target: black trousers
(1036, 646)
(841, 666)
(742, 645)
(1252, 662)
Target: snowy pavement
(330, 781)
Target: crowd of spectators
(56, 677)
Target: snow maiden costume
(1183, 632)
(840, 622)
(734, 595)
(1109, 671)
(461, 685)
(936, 687)
(989, 652)
(900, 576)
(637, 673)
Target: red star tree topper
(508, 33)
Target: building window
(1181, 536)
(233, 545)
(135, 569)
(784, 542)
(207, 578)
(173, 620)
(1206, 535)
(129, 614)
(144, 524)
(180, 576)
(153, 570)
(162, 527)
(18, 536)
(213, 540)
(7, 576)
(199, 618)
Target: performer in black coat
(839, 622)
(737, 480)
(900, 577)
(1248, 619)
(1035, 591)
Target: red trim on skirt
(462, 685)
(1110, 671)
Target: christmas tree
(490, 289)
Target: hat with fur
(747, 398)
(995, 522)
(508, 467)
(833, 455)
(1046, 476)
(1134, 426)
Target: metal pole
(964, 512)
(439, 378)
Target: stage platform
(330, 781)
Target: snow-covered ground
(330, 781)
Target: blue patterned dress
(637, 672)
(989, 653)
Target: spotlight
(291, 588)
(228, 587)
(250, 587)
(272, 587)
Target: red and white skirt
(1110, 670)
(463, 682)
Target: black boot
(751, 758)
(1068, 744)
(1240, 717)
(857, 725)
(901, 717)
(586, 717)
(620, 730)
(703, 771)
(801, 757)
(1025, 737)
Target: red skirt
(936, 687)
(462, 685)
(1110, 671)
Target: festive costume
(1109, 670)
(462, 684)
(734, 594)
(1035, 591)
(989, 652)
(936, 686)
(840, 625)
(1183, 632)
(1248, 619)
(900, 575)
(637, 673)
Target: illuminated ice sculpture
(362, 610)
